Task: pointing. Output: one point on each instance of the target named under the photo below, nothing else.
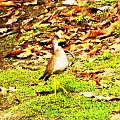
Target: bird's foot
(64, 90)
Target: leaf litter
(84, 31)
(71, 26)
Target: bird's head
(55, 44)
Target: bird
(56, 64)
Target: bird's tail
(41, 77)
(45, 77)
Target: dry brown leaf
(87, 46)
(92, 74)
(88, 94)
(100, 97)
(112, 27)
(86, 75)
(9, 12)
(1, 59)
(37, 50)
(93, 51)
(30, 50)
(99, 83)
(3, 90)
(83, 46)
(97, 80)
(34, 2)
(8, 3)
(93, 34)
(115, 48)
(68, 27)
(62, 35)
(53, 19)
(3, 0)
(2, 30)
(46, 54)
(71, 12)
(115, 115)
(26, 52)
(69, 2)
(33, 68)
(41, 19)
(13, 18)
(74, 47)
(13, 53)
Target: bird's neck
(55, 45)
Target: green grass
(117, 31)
(102, 2)
(64, 107)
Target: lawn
(34, 101)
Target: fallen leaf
(97, 80)
(115, 48)
(34, 2)
(70, 13)
(7, 3)
(53, 19)
(74, 47)
(26, 53)
(14, 53)
(12, 19)
(1, 59)
(100, 97)
(112, 27)
(91, 74)
(115, 115)
(2, 30)
(88, 94)
(3, 0)
(33, 68)
(116, 111)
(93, 51)
(3, 91)
(9, 12)
(93, 34)
(69, 2)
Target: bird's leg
(65, 91)
(55, 87)
(57, 82)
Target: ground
(93, 78)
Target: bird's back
(57, 63)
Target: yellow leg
(56, 82)
(55, 87)
(62, 87)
